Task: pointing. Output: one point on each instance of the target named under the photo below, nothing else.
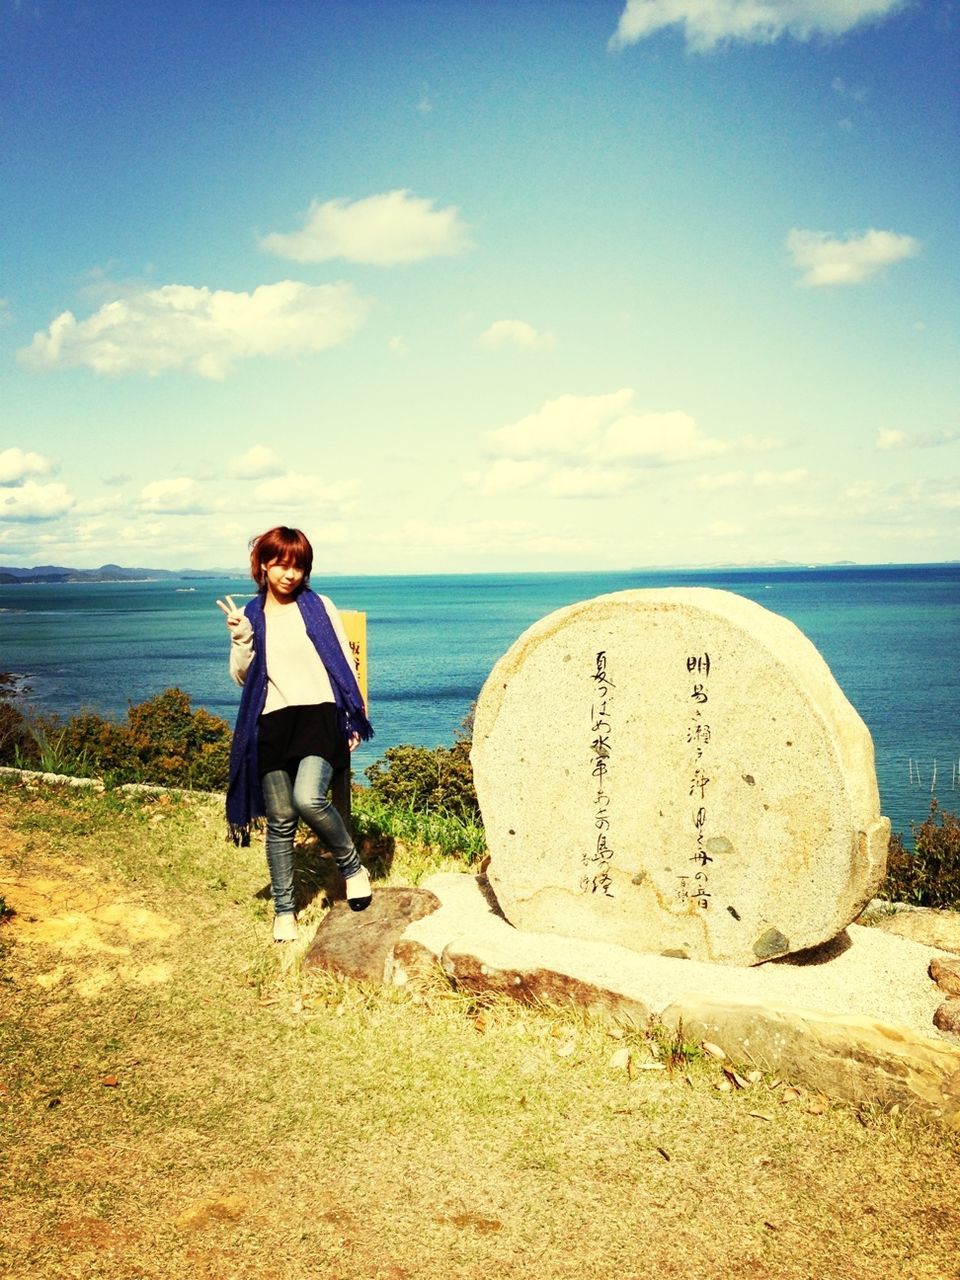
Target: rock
(947, 1017)
(364, 944)
(929, 925)
(853, 1019)
(855, 1059)
(946, 974)
(676, 772)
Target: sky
(480, 285)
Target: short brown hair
(280, 543)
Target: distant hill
(11, 575)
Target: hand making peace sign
(235, 614)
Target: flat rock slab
(854, 1018)
(929, 925)
(679, 773)
(366, 945)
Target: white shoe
(359, 892)
(285, 927)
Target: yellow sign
(355, 625)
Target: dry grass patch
(180, 1098)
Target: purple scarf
(245, 807)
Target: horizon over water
(888, 633)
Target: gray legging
(286, 803)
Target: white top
(296, 676)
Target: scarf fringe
(240, 832)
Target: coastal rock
(676, 772)
(853, 1018)
(947, 1017)
(364, 944)
(857, 1059)
(946, 974)
(929, 925)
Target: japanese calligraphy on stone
(597, 859)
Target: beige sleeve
(241, 650)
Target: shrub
(429, 778)
(930, 876)
(16, 740)
(425, 778)
(83, 744)
(177, 745)
(163, 741)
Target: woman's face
(284, 578)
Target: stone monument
(677, 772)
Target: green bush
(429, 779)
(16, 739)
(426, 778)
(181, 746)
(930, 876)
(84, 744)
(163, 741)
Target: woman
(301, 714)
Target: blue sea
(889, 634)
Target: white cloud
(780, 479)
(98, 506)
(801, 513)
(506, 475)
(316, 492)
(101, 284)
(179, 497)
(566, 425)
(713, 482)
(478, 538)
(659, 439)
(826, 261)
(381, 230)
(857, 93)
(203, 331)
(726, 529)
(589, 446)
(758, 444)
(256, 464)
(595, 429)
(707, 23)
(513, 333)
(888, 438)
(588, 482)
(32, 501)
(16, 465)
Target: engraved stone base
(855, 1019)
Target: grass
(181, 1098)
(437, 834)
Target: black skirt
(284, 737)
